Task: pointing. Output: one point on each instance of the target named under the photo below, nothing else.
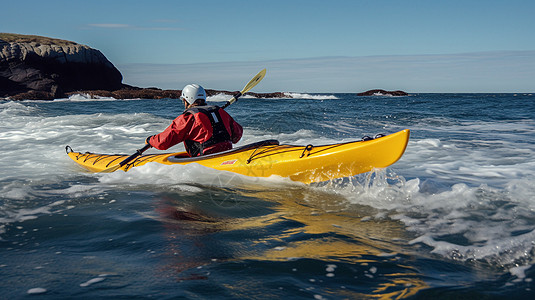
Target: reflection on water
(316, 237)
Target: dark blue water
(453, 219)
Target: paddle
(247, 88)
(139, 152)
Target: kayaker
(204, 129)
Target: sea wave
(287, 95)
(310, 96)
(221, 97)
(86, 97)
(462, 223)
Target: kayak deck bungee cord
(305, 164)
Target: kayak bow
(306, 164)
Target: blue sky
(307, 46)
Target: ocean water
(453, 219)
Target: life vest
(219, 131)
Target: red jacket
(196, 127)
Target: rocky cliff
(39, 67)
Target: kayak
(305, 164)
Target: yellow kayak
(306, 164)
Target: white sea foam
(219, 98)
(33, 145)
(158, 175)
(10, 109)
(495, 162)
(461, 222)
(310, 96)
(92, 281)
(185, 178)
(224, 97)
(24, 214)
(81, 97)
(466, 199)
(519, 272)
(88, 97)
(35, 291)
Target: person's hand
(147, 141)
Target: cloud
(110, 25)
(501, 71)
(160, 28)
(169, 21)
(131, 27)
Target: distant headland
(42, 68)
(36, 67)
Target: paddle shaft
(138, 153)
(234, 99)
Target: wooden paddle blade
(253, 82)
(247, 87)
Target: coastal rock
(42, 68)
(33, 66)
(383, 93)
(256, 95)
(130, 92)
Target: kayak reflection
(309, 233)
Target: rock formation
(382, 93)
(129, 92)
(33, 66)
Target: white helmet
(192, 92)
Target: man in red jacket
(204, 129)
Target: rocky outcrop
(256, 95)
(383, 93)
(129, 92)
(35, 67)
(39, 67)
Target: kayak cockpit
(183, 157)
